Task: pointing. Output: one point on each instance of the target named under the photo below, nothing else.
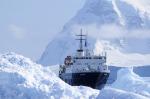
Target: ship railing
(93, 57)
(85, 70)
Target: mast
(81, 39)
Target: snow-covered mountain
(121, 25)
(20, 78)
(122, 12)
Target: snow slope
(20, 78)
(125, 24)
(128, 13)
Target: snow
(116, 58)
(123, 23)
(127, 86)
(142, 5)
(119, 27)
(110, 11)
(112, 93)
(54, 69)
(20, 78)
(129, 81)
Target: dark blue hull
(95, 80)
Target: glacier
(20, 78)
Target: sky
(27, 26)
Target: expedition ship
(84, 68)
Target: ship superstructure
(85, 68)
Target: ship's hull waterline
(95, 80)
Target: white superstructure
(84, 60)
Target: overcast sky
(27, 26)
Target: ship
(84, 68)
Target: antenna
(86, 43)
